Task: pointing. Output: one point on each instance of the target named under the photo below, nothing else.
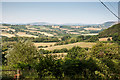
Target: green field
(68, 46)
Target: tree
(80, 69)
(66, 37)
(48, 66)
(108, 39)
(93, 38)
(109, 59)
(101, 50)
(22, 51)
(76, 53)
(73, 40)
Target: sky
(58, 12)
(59, 0)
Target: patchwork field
(73, 32)
(25, 35)
(44, 44)
(5, 27)
(68, 46)
(47, 34)
(7, 34)
(105, 39)
(93, 29)
(66, 29)
(90, 34)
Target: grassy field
(22, 34)
(47, 34)
(105, 39)
(7, 34)
(90, 34)
(25, 35)
(68, 46)
(73, 32)
(93, 29)
(44, 44)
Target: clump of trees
(69, 39)
(46, 39)
(23, 51)
(40, 39)
(18, 27)
(63, 50)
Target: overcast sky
(58, 12)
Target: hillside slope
(108, 24)
(111, 31)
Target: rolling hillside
(111, 31)
(108, 24)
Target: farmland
(23, 34)
(44, 33)
(69, 46)
(7, 34)
(93, 29)
(47, 30)
(90, 34)
(55, 48)
(44, 44)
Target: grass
(105, 39)
(7, 34)
(47, 34)
(90, 34)
(22, 34)
(68, 46)
(45, 44)
(25, 35)
(93, 29)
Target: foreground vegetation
(100, 62)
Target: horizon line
(53, 23)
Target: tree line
(39, 39)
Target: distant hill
(107, 24)
(104, 25)
(45, 23)
(111, 31)
(40, 23)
